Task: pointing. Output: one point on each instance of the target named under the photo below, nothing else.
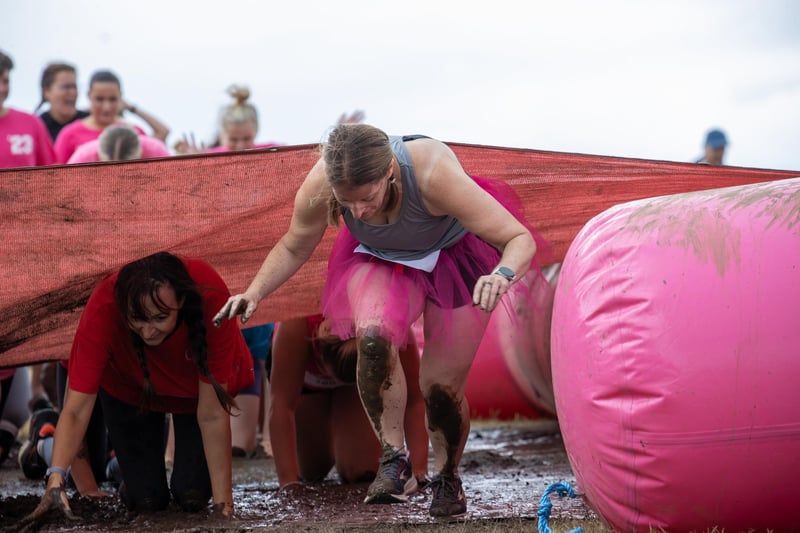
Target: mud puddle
(506, 468)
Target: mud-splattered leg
(382, 386)
(452, 338)
(448, 426)
(379, 314)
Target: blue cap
(716, 139)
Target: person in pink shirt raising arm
(106, 104)
(24, 141)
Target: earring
(392, 180)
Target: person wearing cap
(716, 141)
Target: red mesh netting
(66, 227)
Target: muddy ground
(506, 468)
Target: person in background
(8, 430)
(316, 418)
(119, 142)
(250, 433)
(14, 397)
(59, 88)
(60, 91)
(97, 461)
(106, 105)
(715, 145)
(422, 237)
(24, 141)
(238, 131)
(239, 125)
(146, 346)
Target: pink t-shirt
(87, 152)
(75, 134)
(226, 149)
(24, 141)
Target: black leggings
(138, 440)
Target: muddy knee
(374, 368)
(372, 347)
(155, 500)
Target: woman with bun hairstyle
(237, 130)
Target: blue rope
(562, 489)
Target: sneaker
(42, 425)
(448, 496)
(32, 464)
(394, 480)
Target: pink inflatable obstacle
(676, 360)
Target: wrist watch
(505, 272)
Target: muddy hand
(54, 498)
(236, 305)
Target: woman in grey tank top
(421, 238)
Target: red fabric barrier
(66, 227)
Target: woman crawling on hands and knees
(146, 346)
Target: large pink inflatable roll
(676, 360)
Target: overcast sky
(641, 79)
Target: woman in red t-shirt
(145, 346)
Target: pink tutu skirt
(405, 291)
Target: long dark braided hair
(139, 282)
